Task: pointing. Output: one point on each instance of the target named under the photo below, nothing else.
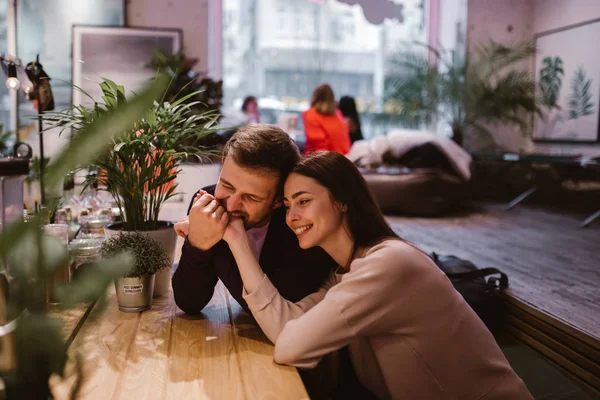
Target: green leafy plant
(4, 140)
(139, 166)
(32, 258)
(148, 255)
(208, 94)
(477, 92)
(551, 80)
(580, 100)
(205, 93)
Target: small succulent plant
(149, 256)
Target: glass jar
(62, 275)
(92, 226)
(83, 254)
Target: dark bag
(479, 293)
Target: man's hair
(263, 147)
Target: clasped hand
(208, 222)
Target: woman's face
(252, 107)
(311, 212)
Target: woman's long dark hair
(347, 185)
(347, 106)
(247, 101)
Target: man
(256, 162)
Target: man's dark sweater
(296, 273)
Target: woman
(250, 109)
(410, 334)
(324, 125)
(347, 107)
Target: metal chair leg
(521, 197)
(590, 219)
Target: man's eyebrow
(300, 193)
(227, 183)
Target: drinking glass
(62, 275)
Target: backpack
(479, 293)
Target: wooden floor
(552, 263)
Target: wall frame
(117, 53)
(567, 71)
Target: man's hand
(182, 227)
(235, 231)
(207, 221)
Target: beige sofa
(413, 172)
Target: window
(292, 46)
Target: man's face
(247, 193)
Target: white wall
(501, 20)
(189, 15)
(552, 14)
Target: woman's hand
(235, 233)
(182, 227)
(239, 243)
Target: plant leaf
(87, 144)
(580, 100)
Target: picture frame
(567, 73)
(117, 53)
(44, 29)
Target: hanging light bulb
(11, 81)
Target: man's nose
(233, 203)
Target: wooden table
(165, 354)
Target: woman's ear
(341, 206)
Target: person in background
(324, 125)
(410, 334)
(347, 106)
(250, 109)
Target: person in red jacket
(324, 125)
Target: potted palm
(135, 290)
(470, 94)
(139, 167)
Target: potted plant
(33, 342)
(204, 92)
(139, 166)
(135, 290)
(472, 92)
